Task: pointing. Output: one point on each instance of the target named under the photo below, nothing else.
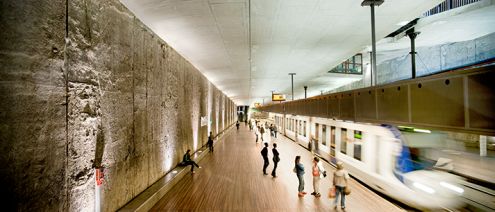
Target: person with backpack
(340, 178)
(299, 170)
(262, 131)
(318, 173)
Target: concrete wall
(434, 59)
(429, 60)
(114, 95)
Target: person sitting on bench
(186, 160)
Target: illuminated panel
(278, 97)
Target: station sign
(278, 97)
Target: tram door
(332, 141)
(316, 138)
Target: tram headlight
(452, 187)
(424, 188)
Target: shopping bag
(331, 193)
(347, 190)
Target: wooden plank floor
(232, 180)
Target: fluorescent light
(423, 188)
(174, 172)
(402, 23)
(452, 187)
(422, 130)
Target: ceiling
(247, 47)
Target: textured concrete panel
(32, 106)
(458, 54)
(485, 47)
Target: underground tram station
(247, 105)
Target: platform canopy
(248, 47)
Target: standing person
(264, 153)
(299, 170)
(237, 125)
(275, 131)
(276, 159)
(318, 173)
(256, 132)
(250, 125)
(188, 161)
(340, 178)
(271, 130)
(262, 131)
(210, 142)
(245, 122)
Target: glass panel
(324, 135)
(304, 129)
(317, 129)
(332, 141)
(353, 65)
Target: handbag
(347, 190)
(331, 192)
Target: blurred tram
(385, 157)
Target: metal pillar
(373, 45)
(292, 82)
(371, 69)
(372, 4)
(412, 36)
(305, 91)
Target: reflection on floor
(232, 179)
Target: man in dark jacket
(276, 159)
(210, 142)
(264, 153)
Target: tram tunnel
(126, 105)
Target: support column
(305, 91)
(412, 36)
(372, 4)
(292, 83)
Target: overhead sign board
(278, 97)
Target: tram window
(358, 135)
(343, 140)
(324, 135)
(300, 128)
(357, 144)
(304, 129)
(332, 136)
(357, 150)
(317, 129)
